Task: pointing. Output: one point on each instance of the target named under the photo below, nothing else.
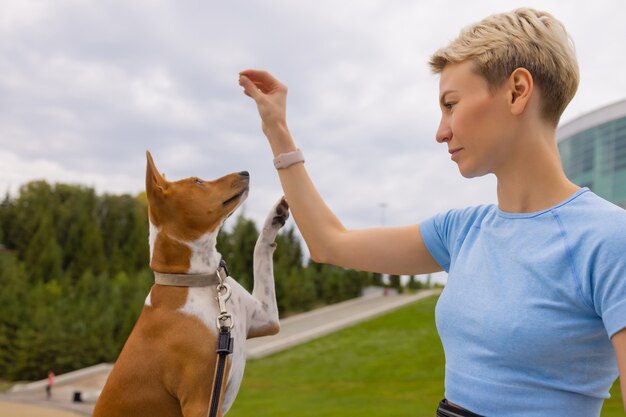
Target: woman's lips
(454, 152)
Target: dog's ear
(156, 185)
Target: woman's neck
(533, 178)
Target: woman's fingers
(249, 88)
(264, 81)
(259, 76)
(268, 93)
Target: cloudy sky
(87, 86)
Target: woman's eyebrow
(443, 96)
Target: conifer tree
(238, 250)
(85, 246)
(36, 200)
(43, 255)
(12, 299)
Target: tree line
(74, 275)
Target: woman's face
(474, 120)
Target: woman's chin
(468, 171)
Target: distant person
(49, 384)
(533, 317)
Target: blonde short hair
(524, 38)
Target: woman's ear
(521, 86)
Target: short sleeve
(434, 238)
(444, 233)
(609, 282)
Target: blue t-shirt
(531, 302)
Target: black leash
(224, 348)
(224, 340)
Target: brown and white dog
(167, 365)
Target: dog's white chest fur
(204, 258)
(202, 304)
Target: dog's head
(191, 207)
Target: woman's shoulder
(595, 220)
(589, 208)
(472, 212)
(465, 216)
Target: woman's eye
(448, 105)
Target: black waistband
(446, 409)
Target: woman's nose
(444, 134)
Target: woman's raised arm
(397, 250)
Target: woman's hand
(399, 251)
(270, 96)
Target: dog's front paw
(280, 212)
(276, 219)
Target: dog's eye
(198, 181)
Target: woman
(533, 317)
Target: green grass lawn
(390, 366)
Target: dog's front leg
(263, 316)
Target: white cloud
(16, 171)
(87, 87)
(18, 15)
(156, 95)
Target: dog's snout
(244, 173)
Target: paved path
(294, 330)
(313, 324)
(11, 409)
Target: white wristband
(285, 160)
